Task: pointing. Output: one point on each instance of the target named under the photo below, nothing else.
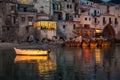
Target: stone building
(45, 4)
(64, 11)
(44, 27)
(8, 21)
(26, 18)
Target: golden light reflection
(97, 56)
(45, 24)
(26, 58)
(47, 66)
(44, 64)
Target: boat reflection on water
(31, 66)
(69, 64)
(28, 58)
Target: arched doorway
(108, 32)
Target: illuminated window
(59, 7)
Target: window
(8, 28)
(70, 6)
(67, 16)
(85, 18)
(67, 5)
(59, 16)
(59, 6)
(73, 0)
(89, 19)
(87, 26)
(63, 26)
(98, 12)
(110, 20)
(95, 20)
(22, 19)
(12, 7)
(53, 6)
(116, 22)
(95, 13)
(25, 9)
(82, 11)
(74, 26)
(104, 20)
(91, 4)
(30, 19)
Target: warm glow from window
(45, 24)
(98, 31)
(23, 2)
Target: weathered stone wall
(9, 33)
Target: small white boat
(32, 52)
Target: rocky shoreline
(6, 45)
(27, 45)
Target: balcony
(12, 11)
(30, 23)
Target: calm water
(62, 64)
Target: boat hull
(29, 52)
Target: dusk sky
(114, 1)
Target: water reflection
(34, 67)
(87, 64)
(62, 64)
